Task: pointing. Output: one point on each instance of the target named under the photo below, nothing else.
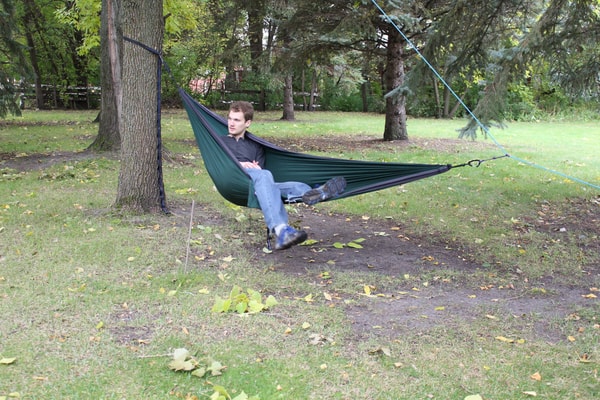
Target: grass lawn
(477, 282)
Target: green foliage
(183, 361)
(238, 301)
(13, 66)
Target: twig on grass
(187, 251)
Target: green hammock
(236, 186)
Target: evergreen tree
(13, 65)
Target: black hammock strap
(161, 185)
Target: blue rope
(481, 125)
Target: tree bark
(395, 106)
(111, 58)
(256, 16)
(288, 99)
(139, 179)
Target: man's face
(237, 124)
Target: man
(269, 193)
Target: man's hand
(250, 165)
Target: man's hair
(243, 106)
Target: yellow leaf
(530, 393)
(367, 290)
(440, 308)
(305, 325)
(474, 397)
(6, 361)
(491, 316)
(504, 339)
(100, 325)
(536, 377)
(308, 298)
(571, 338)
(287, 331)
(327, 296)
(590, 296)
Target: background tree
(53, 55)
(111, 59)
(13, 65)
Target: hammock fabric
(236, 186)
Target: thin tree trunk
(313, 90)
(111, 39)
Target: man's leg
(273, 209)
(269, 197)
(292, 191)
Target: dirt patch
(394, 254)
(402, 305)
(38, 161)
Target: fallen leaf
(530, 393)
(536, 377)
(474, 397)
(7, 361)
(382, 350)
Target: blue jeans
(270, 194)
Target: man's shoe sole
(332, 188)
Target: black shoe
(332, 188)
(289, 237)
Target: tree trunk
(395, 106)
(27, 18)
(313, 90)
(256, 16)
(436, 93)
(139, 178)
(288, 99)
(111, 58)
